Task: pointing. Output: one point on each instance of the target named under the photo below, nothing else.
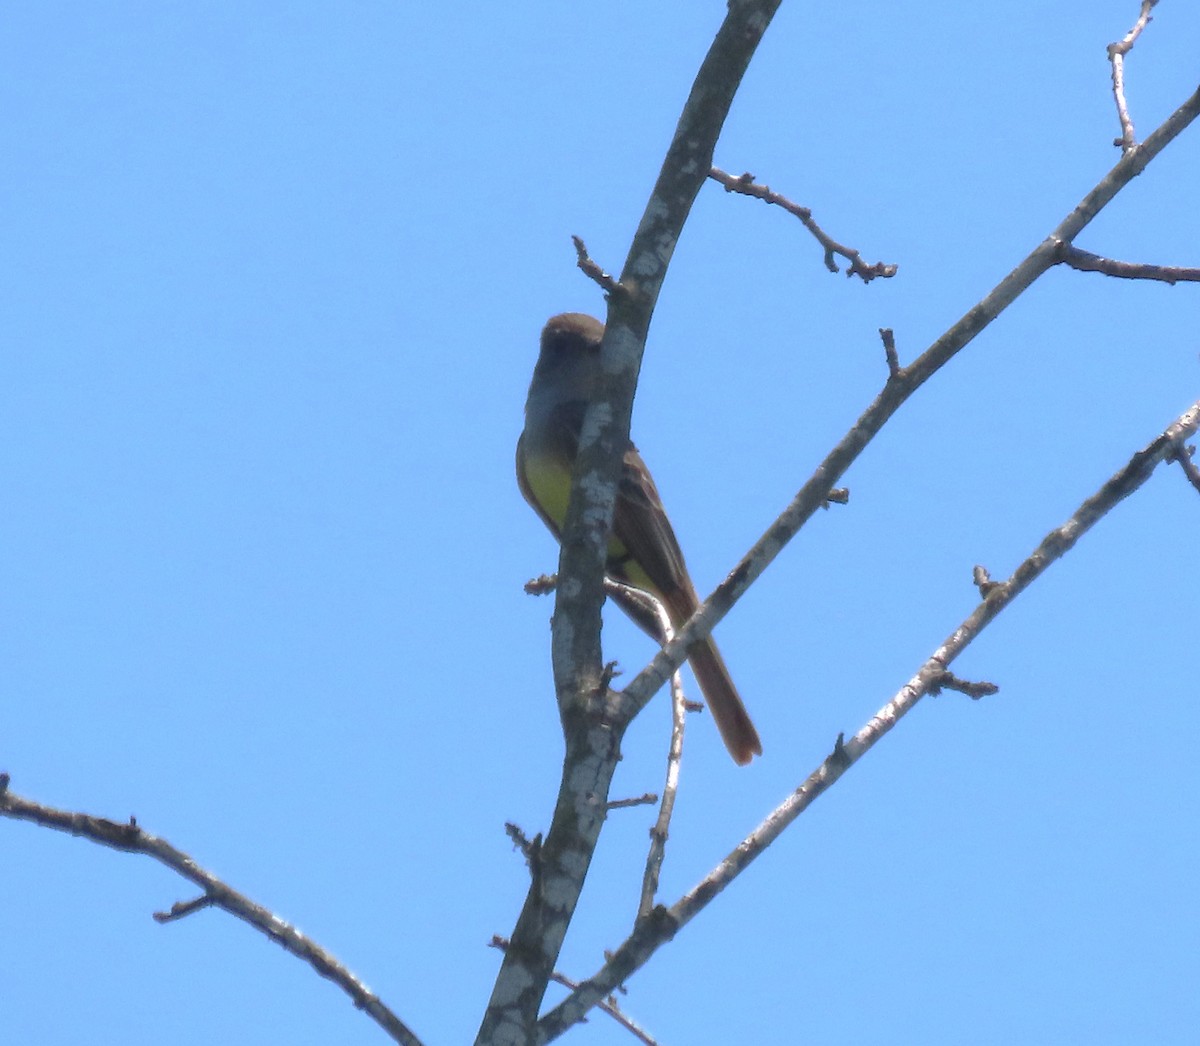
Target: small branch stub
(949, 681)
(839, 757)
(529, 847)
(889, 351)
(609, 283)
(542, 585)
(983, 581)
(647, 799)
(181, 909)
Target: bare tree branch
(130, 838)
(663, 923)
(593, 724)
(744, 185)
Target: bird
(643, 552)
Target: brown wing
(652, 559)
(647, 553)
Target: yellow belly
(550, 484)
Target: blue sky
(272, 281)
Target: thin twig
(745, 185)
(659, 833)
(217, 894)
(1086, 262)
(1116, 55)
(607, 282)
(651, 933)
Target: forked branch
(663, 923)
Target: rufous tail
(732, 719)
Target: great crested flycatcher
(643, 552)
